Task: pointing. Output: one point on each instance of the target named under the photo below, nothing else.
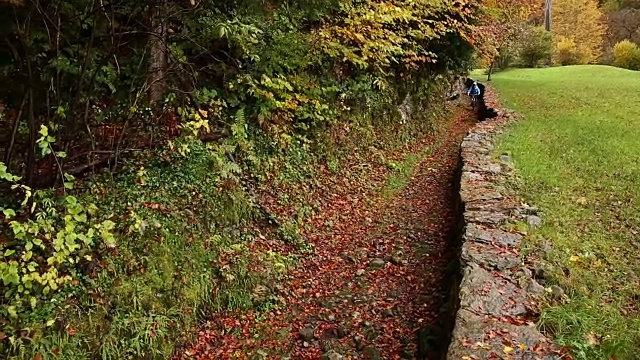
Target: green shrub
(626, 54)
(506, 58)
(536, 45)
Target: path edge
(496, 291)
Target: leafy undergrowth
(180, 251)
(577, 156)
(380, 267)
(190, 236)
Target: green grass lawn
(578, 159)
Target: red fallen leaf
(37, 357)
(56, 351)
(71, 331)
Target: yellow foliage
(582, 22)
(376, 34)
(626, 55)
(567, 52)
(511, 11)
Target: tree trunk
(547, 15)
(547, 24)
(490, 70)
(33, 137)
(157, 45)
(8, 156)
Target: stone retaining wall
(496, 292)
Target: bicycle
(474, 102)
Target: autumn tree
(536, 46)
(583, 22)
(623, 23)
(504, 21)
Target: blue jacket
(474, 90)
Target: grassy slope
(578, 155)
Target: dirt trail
(377, 279)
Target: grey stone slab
(485, 294)
(480, 338)
(476, 233)
(493, 218)
(479, 193)
(489, 256)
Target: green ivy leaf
(27, 256)
(44, 131)
(108, 225)
(8, 213)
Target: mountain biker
(474, 93)
(474, 90)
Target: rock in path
(371, 353)
(377, 263)
(308, 333)
(332, 355)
